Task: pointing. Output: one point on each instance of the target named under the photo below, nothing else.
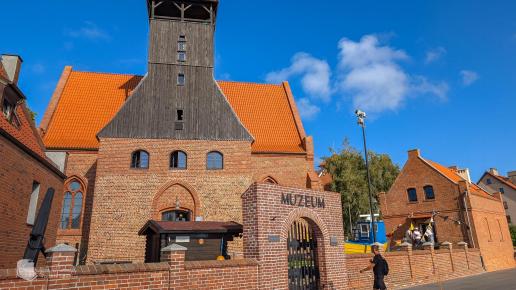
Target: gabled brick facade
(462, 211)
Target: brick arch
(267, 178)
(188, 190)
(83, 181)
(320, 231)
(307, 214)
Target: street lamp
(361, 121)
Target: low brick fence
(410, 268)
(173, 274)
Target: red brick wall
(287, 170)
(265, 216)
(411, 268)
(178, 274)
(492, 232)
(83, 166)
(396, 208)
(18, 171)
(124, 197)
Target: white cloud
(371, 73)
(90, 31)
(434, 54)
(316, 74)
(468, 77)
(307, 110)
(38, 68)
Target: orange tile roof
(265, 111)
(25, 133)
(90, 100)
(503, 179)
(455, 177)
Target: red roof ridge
(108, 73)
(249, 83)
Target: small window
(412, 194)
(215, 161)
(31, 215)
(179, 115)
(178, 160)
(176, 216)
(429, 192)
(181, 79)
(508, 219)
(181, 56)
(140, 159)
(65, 211)
(181, 45)
(9, 111)
(501, 190)
(505, 205)
(182, 37)
(488, 181)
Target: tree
(349, 178)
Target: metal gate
(303, 271)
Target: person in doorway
(380, 268)
(416, 235)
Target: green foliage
(513, 234)
(349, 173)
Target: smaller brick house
(493, 182)
(462, 210)
(25, 172)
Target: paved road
(503, 280)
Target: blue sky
(436, 75)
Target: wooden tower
(179, 98)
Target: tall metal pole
(361, 122)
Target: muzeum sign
(302, 200)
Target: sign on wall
(302, 200)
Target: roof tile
(90, 100)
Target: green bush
(513, 234)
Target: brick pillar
(175, 256)
(464, 246)
(407, 247)
(430, 246)
(60, 261)
(448, 246)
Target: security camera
(360, 114)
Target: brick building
(25, 172)
(493, 182)
(463, 212)
(171, 145)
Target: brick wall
(18, 171)
(287, 170)
(411, 268)
(396, 207)
(174, 274)
(265, 216)
(125, 199)
(492, 232)
(81, 166)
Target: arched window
(72, 205)
(178, 160)
(412, 194)
(501, 231)
(140, 159)
(215, 161)
(176, 216)
(429, 192)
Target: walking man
(380, 269)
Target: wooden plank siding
(150, 113)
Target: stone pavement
(505, 280)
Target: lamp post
(361, 121)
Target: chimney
(464, 173)
(12, 66)
(493, 171)
(512, 176)
(453, 167)
(414, 153)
